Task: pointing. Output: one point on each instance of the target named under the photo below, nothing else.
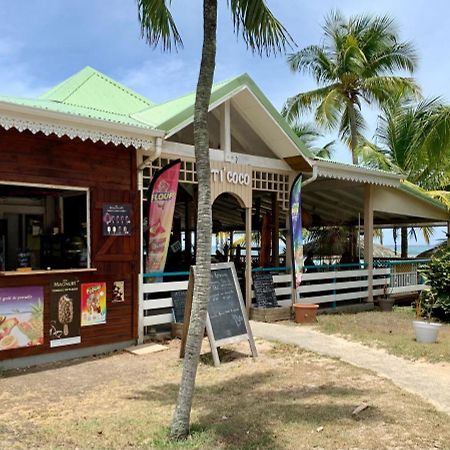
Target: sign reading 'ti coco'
(230, 176)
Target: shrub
(436, 299)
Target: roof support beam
(225, 130)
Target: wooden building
(74, 166)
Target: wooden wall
(111, 176)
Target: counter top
(14, 273)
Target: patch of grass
(284, 399)
(392, 331)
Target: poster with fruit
(65, 312)
(93, 304)
(21, 317)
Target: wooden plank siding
(110, 174)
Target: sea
(413, 250)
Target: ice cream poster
(21, 317)
(65, 312)
(93, 304)
(117, 219)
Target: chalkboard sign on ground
(224, 309)
(227, 321)
(179, 303)
(264, 290)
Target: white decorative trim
(356, 174)
(75, 132)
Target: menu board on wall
(65, 312)
(93, 304)
(117, 219)
(21, 317)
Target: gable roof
(179, 112)
(89, 88)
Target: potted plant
(436, 275)
(426, 331)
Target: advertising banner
(162, 196)
(93, 304)
(296, 230)
(65, 312)
(21, 317)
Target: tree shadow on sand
(244, 412)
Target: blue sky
(44, 41)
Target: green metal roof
(91, 94)
(92, 89)
(88, 113)
(422, 194)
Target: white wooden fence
(320, 287)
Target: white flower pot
(426, 331)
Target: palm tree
(310, 134)
(355, 63)
(263, 34)
(413, 140)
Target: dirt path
(429, 381)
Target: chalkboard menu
(264, 290)
(226, 322)
(224, 308)
(179, 303)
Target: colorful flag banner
(162, 195)
(296, 230)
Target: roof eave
(358, 174)
(24, 117)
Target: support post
(225, 130)
(248, 259)
(368, 238)
(141, 262)
(275, 231)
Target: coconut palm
(355, 64)
(413, 140)
(310, 134)
(263, 34)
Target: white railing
(343, 285)
(332, 286)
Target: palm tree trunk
(404, 242)
(353, 132)
(180, 423)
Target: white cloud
(16, 77)
(161, 80)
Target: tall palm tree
(263, 34)
(310, 135)
(413, 139)
(355, 64)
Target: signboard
(162, 195)
(226, 321)
(179, 303)
(65, 312)
(21, 317)
(296, 230)
(117, 219)
(264, 290)
(93, 304)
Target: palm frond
(260, 29)
(157, 24)
(315, 61)
(305, 102)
